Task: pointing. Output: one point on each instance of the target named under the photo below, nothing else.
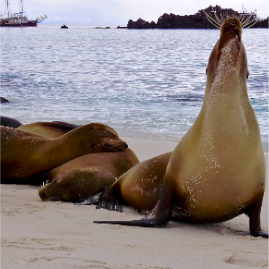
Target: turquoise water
(140, 82)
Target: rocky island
(196, 21)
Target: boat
(245, 13)
(18, 19)
(102, 27)
(64, 26)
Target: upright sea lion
(25, 154)
(85, 176)
(217, 171)
(53, 129)
(6, 121)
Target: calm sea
(140, 82)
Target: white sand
(54, 235)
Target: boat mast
(7, 8)
(22, 7)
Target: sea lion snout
(231, 28)
(231, 24)
(121, 146)
(42, 195)
(106, 137)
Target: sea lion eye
(107, 133)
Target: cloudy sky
(118, 12)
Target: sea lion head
(97, 137)
(68, 187)
(108, 138)
(228, 61)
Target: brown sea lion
(217, 171)
(25, 154)
(139, 187)
(85, 176)
(53, 129)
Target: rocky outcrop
(261, 24)
(196, 21)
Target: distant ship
(245, 13)
(18, 19)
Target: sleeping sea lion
(139, 187)
(217, 171)
(25, 154)
(85, 176)
(53, 129)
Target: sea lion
(85, 176)
(25, 154)
(6, 121)
(53, 129)
(139, 187)
(217, 170)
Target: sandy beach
(36, 234)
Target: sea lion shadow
(221, 228)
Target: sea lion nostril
(42, 195)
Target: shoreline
(38, 234)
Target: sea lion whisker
(45, 183)
(211, 20)
(218, 19)
(253, 22)
(246, 22)
(240, 18)
(221, 17)
(249, 22)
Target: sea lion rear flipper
(147, 221)
(158, 217)
(254, 218)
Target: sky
(118, 12)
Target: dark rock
(261, 24)
(196, 21)
(4, 100)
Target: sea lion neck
(227, 67)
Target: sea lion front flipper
(92, 200)
(254, 218)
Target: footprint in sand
(248, 261)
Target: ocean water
(143, 83)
